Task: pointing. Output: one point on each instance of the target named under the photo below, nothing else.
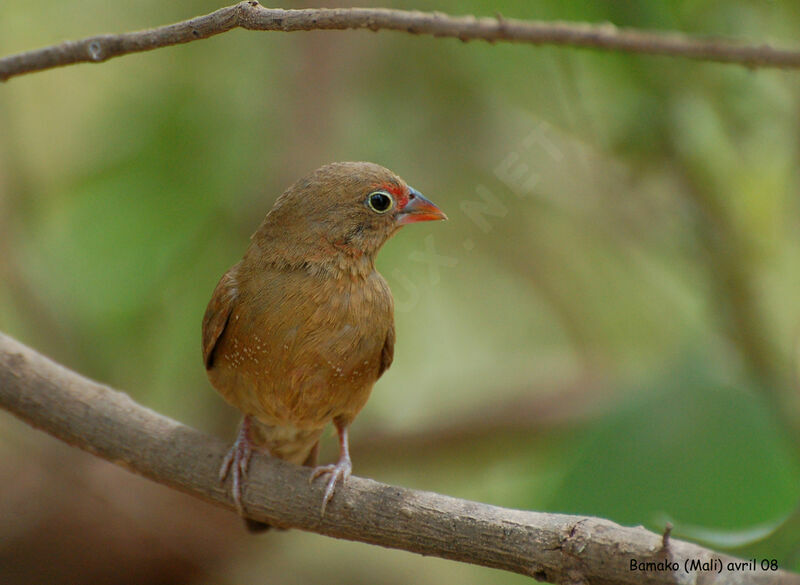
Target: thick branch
(251, 15)
(553, 547)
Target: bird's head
(341, 211)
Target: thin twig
(554, 547)
(251, 15)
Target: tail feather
(256, 527)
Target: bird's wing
(387, 353)
(217, 314)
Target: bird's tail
(298, 446)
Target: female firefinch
(299, 330)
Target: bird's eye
(380, 201)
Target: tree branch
(252, 16)
(553, 547)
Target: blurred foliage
(627, 226)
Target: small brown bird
(298, 331)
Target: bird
(299, 330)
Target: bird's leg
(339, 471)
(237, 461)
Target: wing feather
(217, 314)
(387, 353)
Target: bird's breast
(304, 350)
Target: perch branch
(252, 16)
(552, 547)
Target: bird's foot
(339, 471)
(236, 463)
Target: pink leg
(339, 471)
(237, 461)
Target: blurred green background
(607, 325)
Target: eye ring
(380, 201)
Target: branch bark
(553, 547)
(252, 16)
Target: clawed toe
(338, 472)
(236, 464)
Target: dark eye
(380, 201)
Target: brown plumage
(299, 330)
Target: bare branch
(553, 547)
(252, 16)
